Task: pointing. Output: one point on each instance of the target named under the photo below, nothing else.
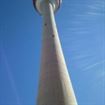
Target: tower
(55, 87)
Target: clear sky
(81, 27)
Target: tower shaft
(55, 87)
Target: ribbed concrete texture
(55, 87)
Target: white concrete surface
(55, 87)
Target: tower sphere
(38, 4)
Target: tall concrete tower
(55, 87)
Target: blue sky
(81, 27)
